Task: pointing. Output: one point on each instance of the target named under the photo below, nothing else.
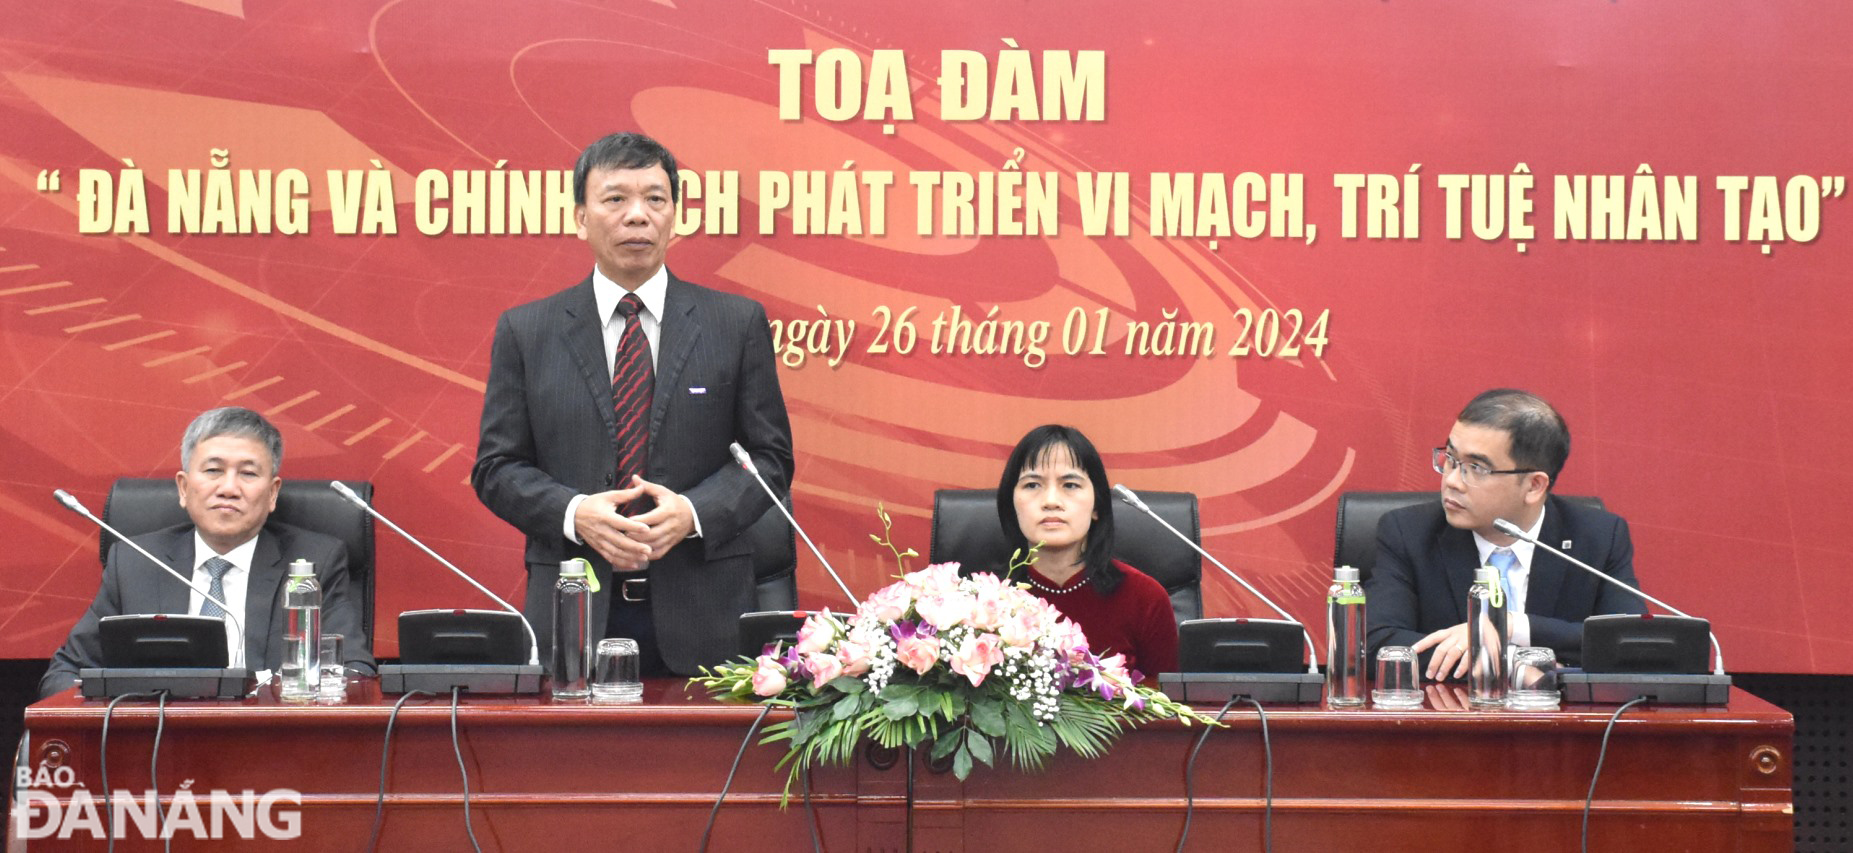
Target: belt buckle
(635, 589)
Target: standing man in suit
(607, 418)
(1502, 457)
(228, 485)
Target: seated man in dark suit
(228, 484)
(1502, 457)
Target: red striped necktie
(633, 386)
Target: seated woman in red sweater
(1055, 491)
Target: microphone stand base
(1215, 688)
(179, 682)
(1615, 688)
(505, 679)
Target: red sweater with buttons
(1136, 620)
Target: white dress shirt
(1517, 622)
(236, 579)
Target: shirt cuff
(696, 533)
(572, 530)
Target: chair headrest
(966, 531)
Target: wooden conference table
(644, 777)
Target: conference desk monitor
(1257, 658)
(183, 655)
(479, 651)
(1626, 657)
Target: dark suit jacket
(548, 434)
(1424, 566)
(131, 584)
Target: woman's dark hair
(1035, 450)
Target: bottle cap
(301, 568)
(574, 568)
(1345, 574)
(1486, 575)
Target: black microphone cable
(1190, 770)
(154, 766)
(744, 742)
(1267, 751)
(109, 811)
(1600, 755)
(810, 814)
(456, 693)
(379, 803)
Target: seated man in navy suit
(228, 484)
(1502, 457)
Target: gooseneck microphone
(1510, 529)
(533, 642)
(746, 461)
(76, 506)
(1312, 651)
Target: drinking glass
(615, 678)
(1399, 680)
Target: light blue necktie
(1503, 559)
(216, 567)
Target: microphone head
(1510, 529)
(1127, 495)
(739, 455)
(346, 492)
(70, 503)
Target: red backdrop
(1698, 372)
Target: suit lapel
(174, 595)
(262, 599)
(1547, 569)
(583, 331)
(1455, 551)
(676, 341)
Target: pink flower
(1115, 668)
(1067, 638)
(988, 607)
(1019, 631)
(976, 656)
(945, 610)
(889, 603)
(937, 579)
(855, 656)
(918, 653)
(824, 669)
(818, 633)
(769, 679)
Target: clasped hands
(631, 541)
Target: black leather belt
(634, 589)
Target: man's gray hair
(236, 421)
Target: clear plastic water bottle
(1344, 640)
(302, 633)
(571, 661)
(1487, 638)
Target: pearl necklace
(1056, 590)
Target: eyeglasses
(1473, 473)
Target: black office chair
(775, 560)
(965, 531)
(138, 506)
(1355, 543)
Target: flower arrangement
(958, 663)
